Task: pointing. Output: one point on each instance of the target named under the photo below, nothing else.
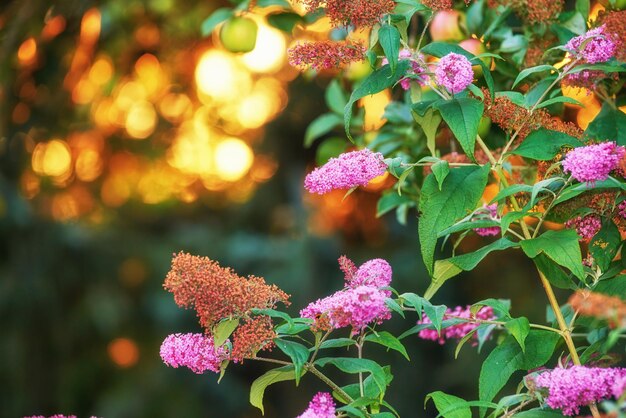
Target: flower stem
(346, 398)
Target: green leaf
(429, 122)
(267, 3)
(257, 390)
(335, 343)
(321, 126)
(298, 353)
(356, 365)
(462, 342)
(443, 402)
(377, 81)
(443, 271)
(544, 144)
(335, 97)
(223, 330)
(448, 268)
(463, 117)
(413, 300)
(555, 274)
(435, 313)
(284, 21)
(461, 191)
(441, 169)
(562, 247)
(612, 287)
(609, 125)
(507, 358)
(469, 261)
(389, 201)
(583, 6)
(215, 19)
(559, 99)
(578, 189)
(519, 329)
(604, 245)
(389, 39)
(532, 70)
(386, 339)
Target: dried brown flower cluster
(532, 11)
(360, 13)
(536, 49)
(613, 22)
(252, 336)
(601, 202)
(511, 117)
(609, 308)
(217, 292)
(438, 4)
(324, 55)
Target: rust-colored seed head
(252, 336)
(324, 55)
(610, 308)
(360, 13)
(613, 22)
(217, 292)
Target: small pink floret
(194, 351)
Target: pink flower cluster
(619, 387)
(492, 212)
(321, 406)
(592, 47)
(456, 331)
(360, 303)
(454, 72)
(349, 170)
(585, 227)
(415, 70)
(593, 162)
(53, 416)
(195, 351)
(569, 389)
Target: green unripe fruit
(238, 34)
(484, 126)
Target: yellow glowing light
(268, 55)
(52, 158)
(233, 159)
(563, 62)
(101, 71)
(587, 114)
(156, 185)
(374, 109)
(88, 165)
(595, 11)
(64, 207)
(84, 92)
(90, 26)
(580, 94)
(129, 93)
(175, 107)
(27, 52)
(220, 77)
(141, 120)
(256, 109)
(115, 191)
(123, 352)
(191, 153)
(149, 73)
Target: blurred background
(126, 136)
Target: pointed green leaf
(532, 70)
(544, 144)
(461, 191)
(384, 338)
(215, 19)
(223, 330)
(357, 365)
(321, 126)
(389, 39)
(463, 117)
(443, 402)
(519, 329)
(441, 169)
(257, 390)
(560, 246)
(298, 353)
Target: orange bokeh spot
(123, 352)
(90, 26)
(27, 52)
(53, 28)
